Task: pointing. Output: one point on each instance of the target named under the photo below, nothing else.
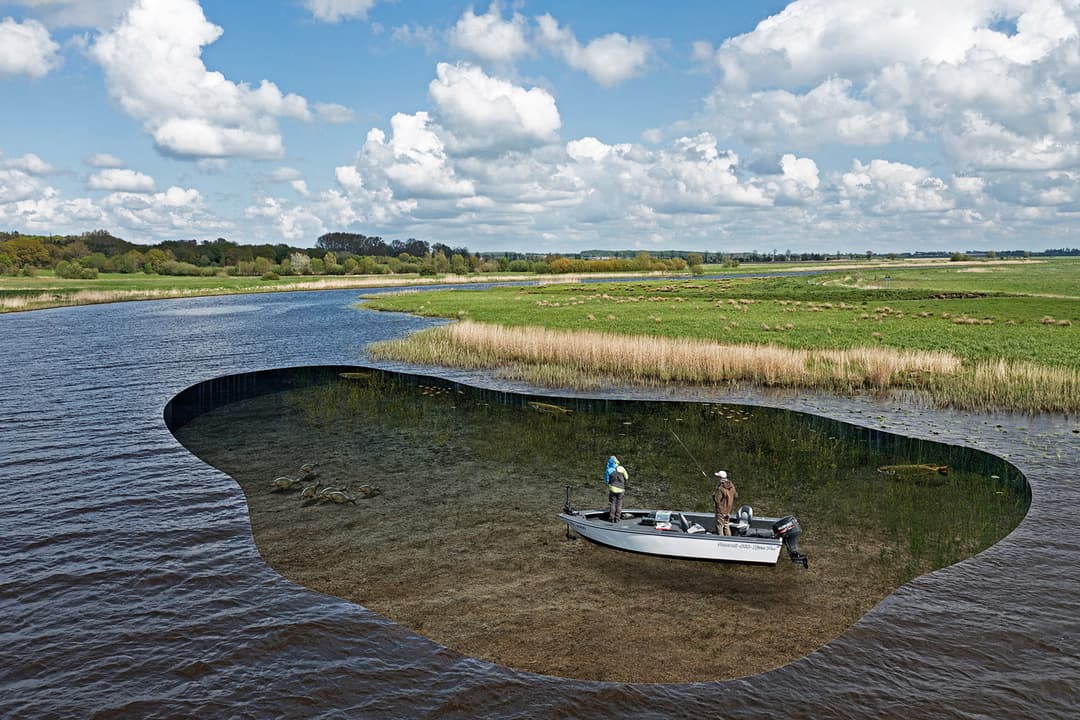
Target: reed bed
(61, 298)
(581, 359)
(1016, 385)
(648, 359)
(36, 300)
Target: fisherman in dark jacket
(615, 477)
(724, 499)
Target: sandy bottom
(471, 553)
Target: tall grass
(1014, 385)
(649, 359)
(585, 358)
(17, 299)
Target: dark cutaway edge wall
(210, 394)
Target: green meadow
(1003, 321)
(1022, 313)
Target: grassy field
(46, 290)
(1002, 321)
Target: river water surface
(130, 585)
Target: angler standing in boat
(724, 499)
(615, 477)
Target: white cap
(720, 474)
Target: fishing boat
(690, 535)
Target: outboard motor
(746, 516)
(787, 529)
(567, 507)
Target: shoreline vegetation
(582, 360)
(1000, 338)
(46, 289)
(49, 292)
(979, 335)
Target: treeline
(84, 256)
(715, 258)
(339, 253)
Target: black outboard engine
(787, 529)
(567, 507)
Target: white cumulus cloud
(30, 164)
(336, 10)
(154, 69)
(414, 159)
(992, 82)
(489, 38)
(104, 160)
(481, 112)
(886, 188)
(101, 14)
(121, 180)
(608, 60)
(826, 114)
(26, 49)
(333, 113)
(814, 39)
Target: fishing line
(706, 475)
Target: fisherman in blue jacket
(615, 478)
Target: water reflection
(453, 530)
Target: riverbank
(46, 291)
(1003, 338)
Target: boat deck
(680, 522)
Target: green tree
(26, 251)
(301, 263)
(130, 262)
(442, 264)
(94, 260)
(428, 267)
(154, 259)
(457, 264)
(559, 265)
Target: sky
(547, 126)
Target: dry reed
(587, 358)
(57, 298)
(647, 358)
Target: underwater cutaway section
(435, 504)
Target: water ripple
(130, 585)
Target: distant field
(1012, 331)
(926, 309)
(46, 290)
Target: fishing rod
(705, 474)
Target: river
(130, 585)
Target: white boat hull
(633, 535)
